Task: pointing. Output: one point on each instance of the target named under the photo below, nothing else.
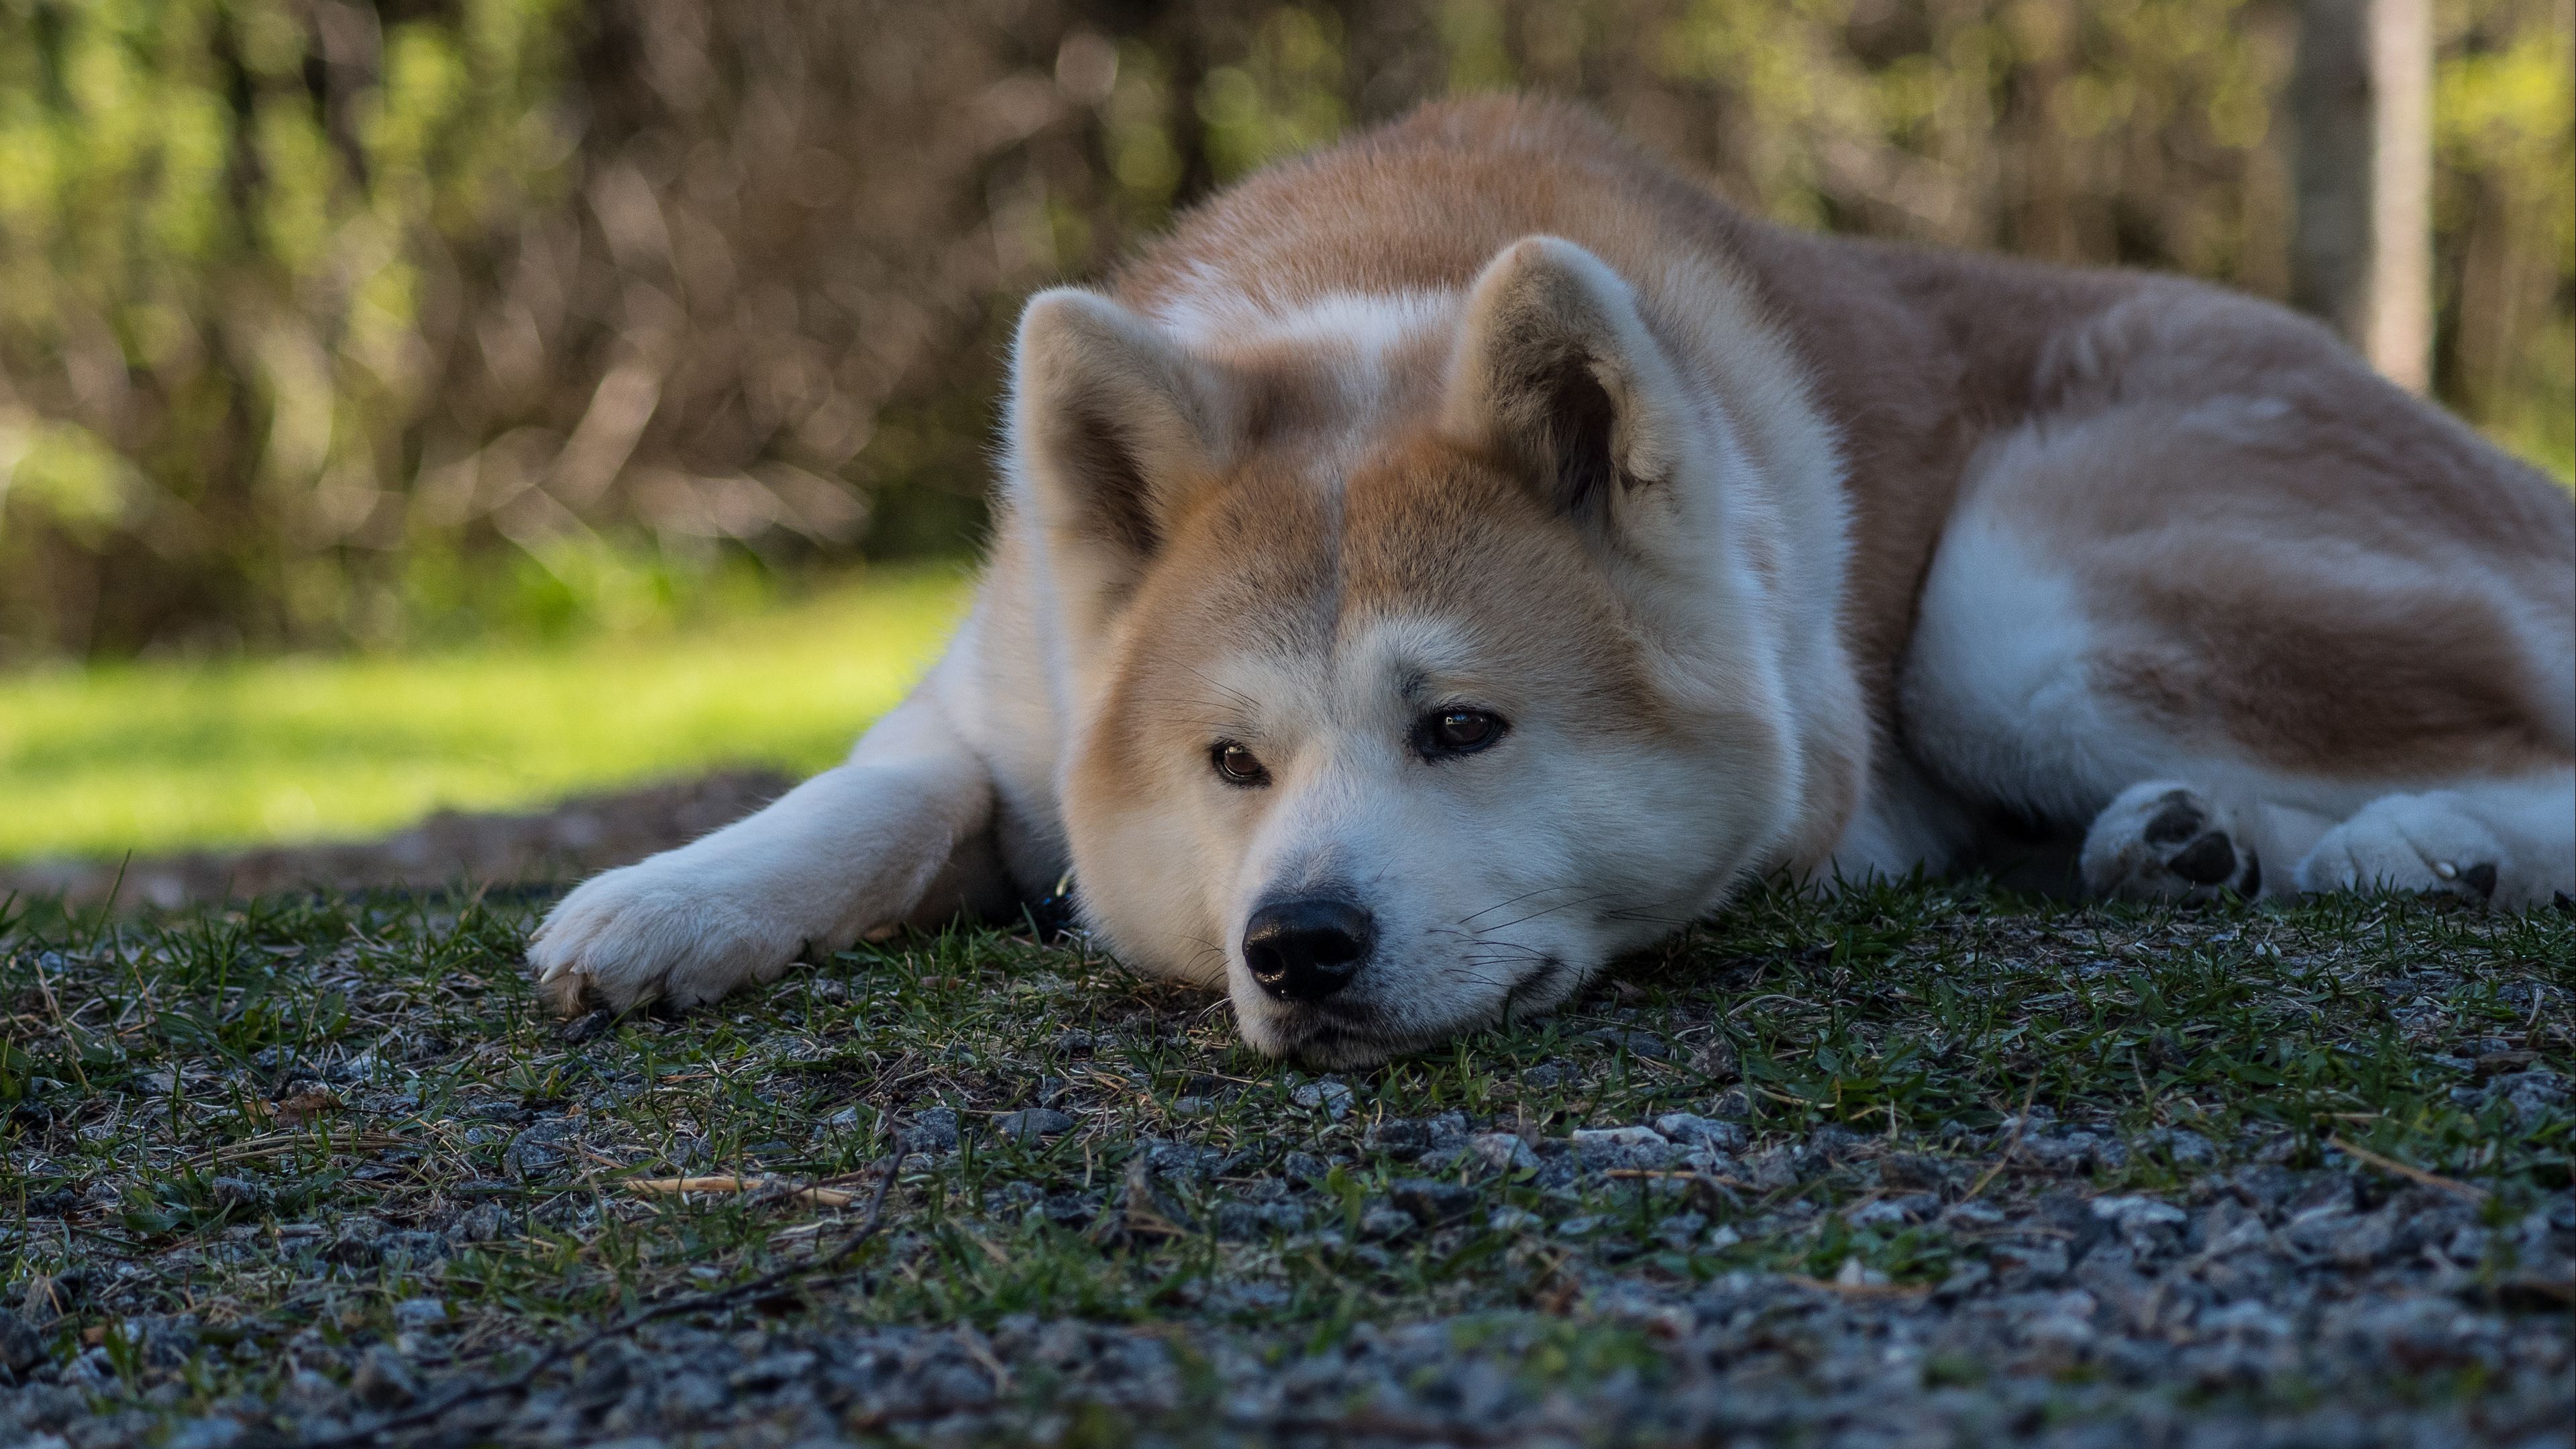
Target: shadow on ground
(562, 842)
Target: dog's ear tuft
(1114, 424)
(1556, 373)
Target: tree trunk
(2362, 258)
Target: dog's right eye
(1238, 766)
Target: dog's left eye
(1238, 766)
(1446, 732)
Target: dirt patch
(574, 838)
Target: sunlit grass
(162, 755)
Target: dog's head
(1419, 654)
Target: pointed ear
(1556, 373)
(1114, 425)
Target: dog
(1455, 558)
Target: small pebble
(381, 1381)
(416, 1314)
(1032, 1123)
(1327, 1093)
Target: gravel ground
(1927, 1166)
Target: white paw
(2166, 841)
(2407, 843)
(657, 931)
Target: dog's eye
(1445, 732)
(1236, 765)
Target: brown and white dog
(1455, 558)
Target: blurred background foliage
(329, 323)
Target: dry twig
(818, 1196)
(2405, 1170)
(2021, 1120)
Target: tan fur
(1779, 553)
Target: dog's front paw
(656, 931)
(2407, 843)
(2164, 841)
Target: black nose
(1305, 950)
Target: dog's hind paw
(655, 931)
(2407, 843)
(2166, 841)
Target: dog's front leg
(897, 833)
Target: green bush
(345, 322)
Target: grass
(384, 1056)
(156, 756)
